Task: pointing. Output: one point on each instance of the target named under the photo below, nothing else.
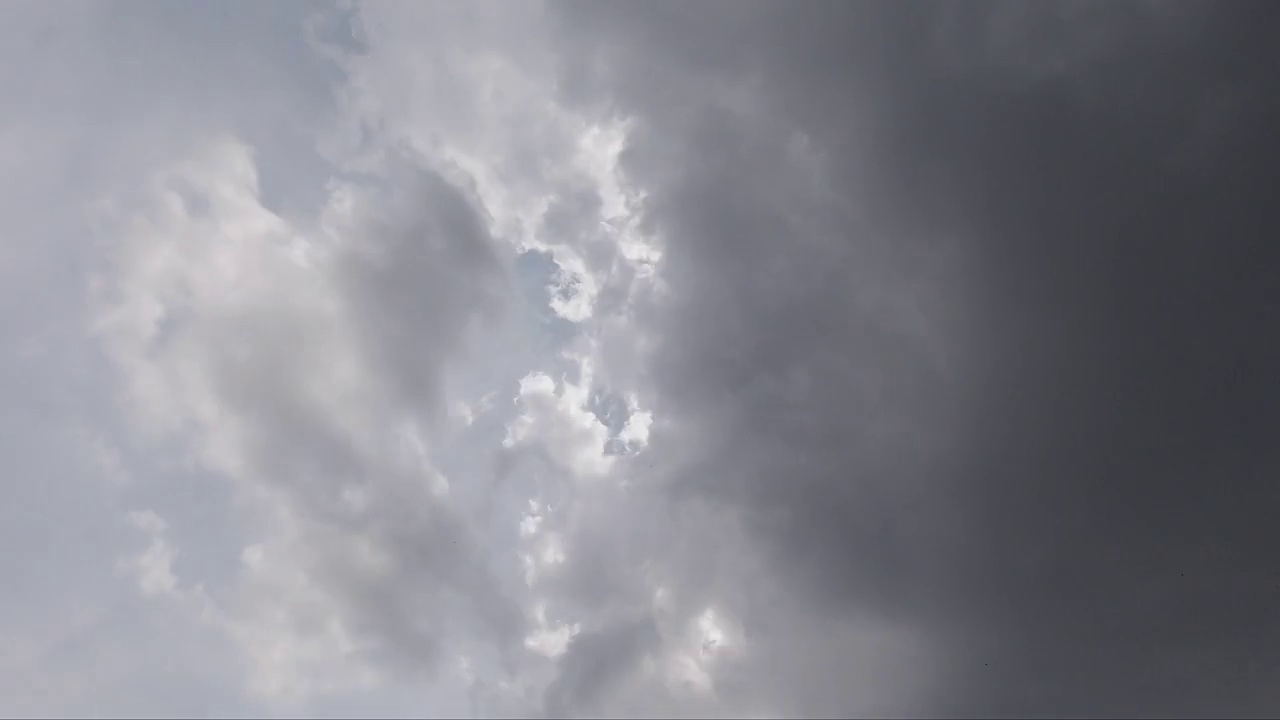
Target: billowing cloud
(964, 302)
(728, 359)
(304, 365)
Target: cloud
(154, 565)
(99, 98)
(945, 328)
(708, 360)
(292, 361)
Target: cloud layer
(705, 360)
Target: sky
(536, 358)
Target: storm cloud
(712, 359)
(972, 319)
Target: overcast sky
(694, 359)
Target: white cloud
(295, 380)
(153, 566)
(554, 420)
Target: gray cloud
(969, 310)
(862, 359)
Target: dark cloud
(597, 661)
(972, 319)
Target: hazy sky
(696, 359)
